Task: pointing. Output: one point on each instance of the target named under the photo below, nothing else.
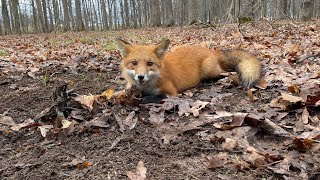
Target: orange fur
(150, 69)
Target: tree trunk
(139, 13)
(134, 14)
(73, 24)
(79, 21)
(104, 16)
(5, 15)
(115, 17)
(110, 14)
(145, 12)
(66, 18)
(56, 13)
(126, 11)
(122, 15)
(168, 13)
(45, 16)
(15, 17)
(156, 20)
(50, 17)
(86, 15)
(192, 11)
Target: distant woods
(41, 16)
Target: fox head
(142, 62)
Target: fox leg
(167, 87)
(123, 92)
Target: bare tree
(56, 11)
(16, 17)
(5, 15)
(156, 20)
(110, 14)
(104, 16)
(79, 21)
(169, 21)
(115, 17)
(45, 15)
(66, 18)
(126, 12)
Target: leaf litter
(269, 131)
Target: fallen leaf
(75, 162)
(140, 174)
(26, 123)
(263, 84)
(156, 115)
(107, 94)
(65, 123)
(197, 106)
(291, 98)
(255, 159)
(251, 96)
(83, 165)
(218, 161)
(86, 101)
(294, 89)
(130, 121)
(229, 144)
(7, 120)
(302, 144)
(44, 129)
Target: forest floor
(217, 130)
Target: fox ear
(162, 47)
(123, 46)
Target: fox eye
(134, 62)
(150, 63)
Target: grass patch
(3, 53)
(111, 46)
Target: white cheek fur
(131, 72)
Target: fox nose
(140, 77)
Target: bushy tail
(246, 65)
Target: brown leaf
(6, 120)
(229, 144)
(107, 94)
(287, 101)
(251, 96)
(291, 98)
(197, 106)
(130, 121)
(83, 165)
(255, 159)
(44, 129)
(75, 162)
(26, 123)
(140, 174)
(156, 115)
(302, 144)
(294, 89)
(263, 84)
(86, 101)
(217, 161)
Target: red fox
(153, 70)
